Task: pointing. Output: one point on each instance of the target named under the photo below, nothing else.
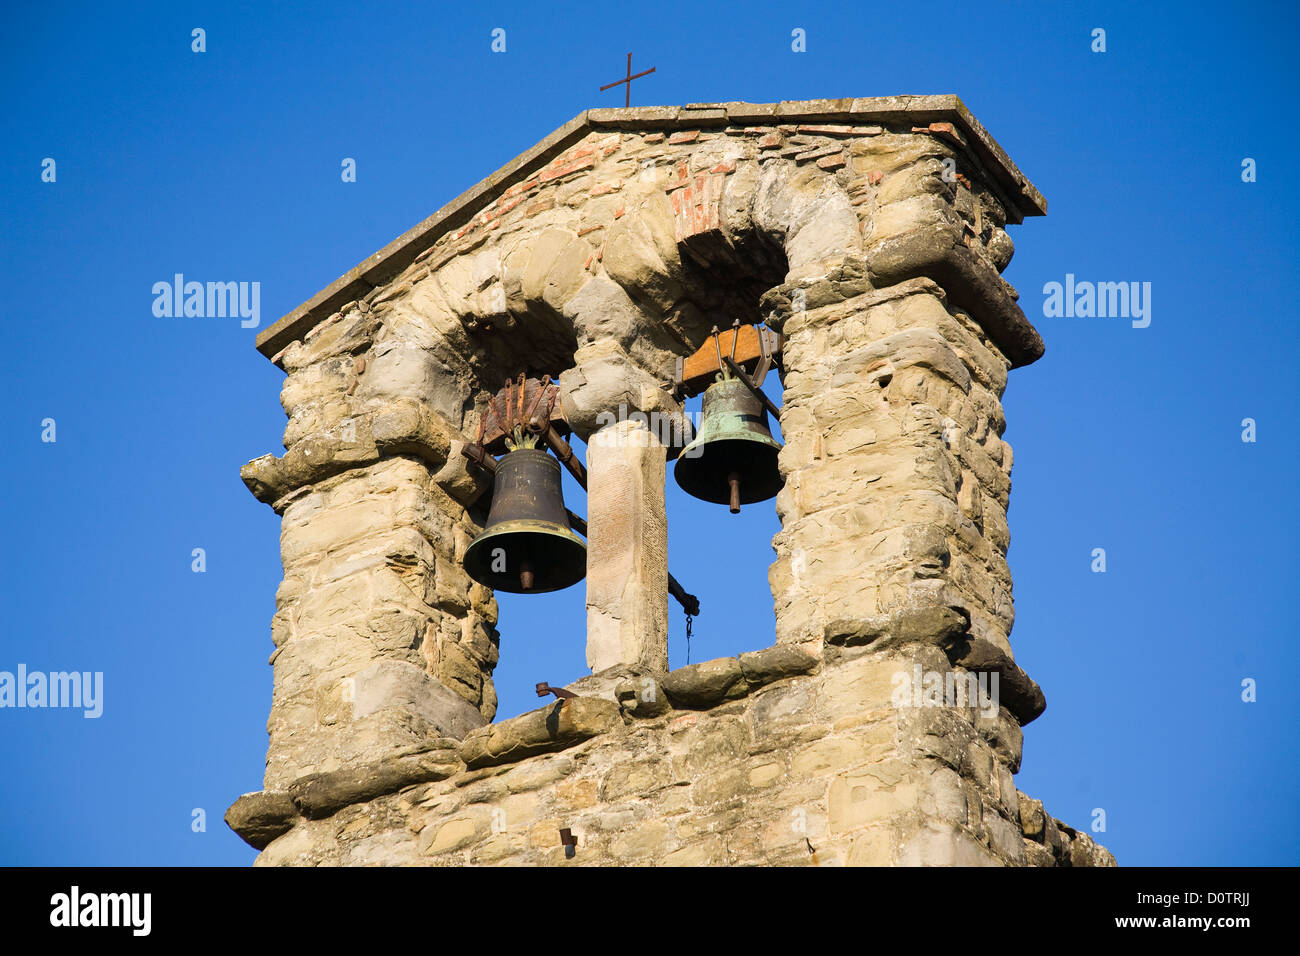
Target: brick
(944, 131)
(831, 162)
(507, 203)
(540, 206)
(770, 141)
(552, 173)
(686, 136)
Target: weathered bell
(527, 546)
(732, 459)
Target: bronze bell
(527, 546)
(732, 460)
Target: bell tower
(854, 247)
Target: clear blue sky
(225, 165)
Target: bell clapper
(733, 480)
(526, 575)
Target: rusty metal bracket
(544, 688)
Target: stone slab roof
(397, 255)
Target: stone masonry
(870, 233)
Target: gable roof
(379, 268)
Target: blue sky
(225, 165)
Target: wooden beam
(697, 371)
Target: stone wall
(871, 233)
(769, 758)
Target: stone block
(705, 684)
(406, 687)
(262, 816)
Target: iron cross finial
(627, 101)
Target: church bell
(527, 546)
(732, 460)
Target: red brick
(726, 166)
(770, 141)
(576, 167)
(944, 131)
(600, 189)
(540, 206)
(507, 205)
(875, 176)
(653, 138)
(831, 162)
(583, 232)
(688, 136)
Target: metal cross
(628, 80)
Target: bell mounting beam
(752, 345)
(540, 407)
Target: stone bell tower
(884, 723)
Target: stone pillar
(892, 423)
(627, 550)
(609, 400)
(384, 647)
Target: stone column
(611, 402)
(627, 550)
